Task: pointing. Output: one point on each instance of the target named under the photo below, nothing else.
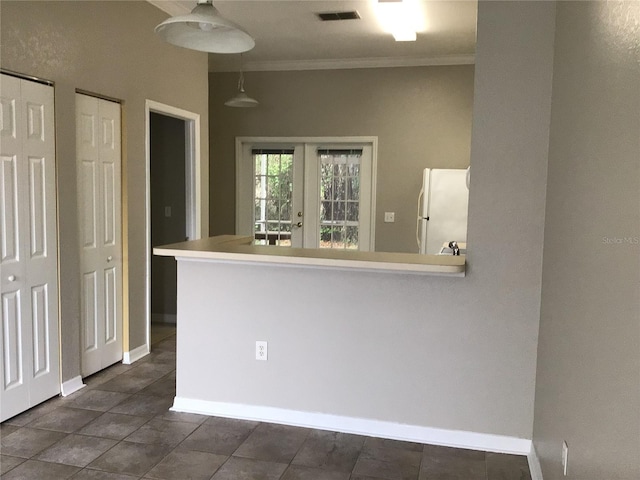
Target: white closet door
(29, 346)
(100, 220)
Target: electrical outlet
(261, 350)
(389, 217)
(565, 457)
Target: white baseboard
(164, 318)
(71, 386)
(135, 354)
(534, 464)
(360, 426)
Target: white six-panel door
(98, 157)
(29, 346)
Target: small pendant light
(241, 100)
(204, 29)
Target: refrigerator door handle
(419, 218)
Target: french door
(98, 146)
(314, 193)
(29, 338)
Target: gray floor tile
(453, 468)
(169, 344)
(181, 464)
(163, 432)
(249, 469)
(28, 442)
(107, 374)
(6, 429)
(368, 467)
(151, 370)
(76, 450)
(438, 451)
(35, 470)
(392, 455)
(126, 383)
(161, 331)
(65, 419)
(144, 405)
(273, 443)
(183, 417)
(162, 356)
(130, 458)
(296, 472)
(113, 425)
(507, 467)
(330, 450)
(373, 442)
(388, 463)
(232, 423)
(97, 399)
(88, 474)
(162, 387)
(34, 413)
(223, 439)
(7, 463)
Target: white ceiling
(289, 35)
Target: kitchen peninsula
(341, 349)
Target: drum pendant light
(205, 30)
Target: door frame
(193, 187)
(241, 170)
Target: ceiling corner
(172, 7)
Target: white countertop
(235, 248)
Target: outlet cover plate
(261, 350)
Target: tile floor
(119, 428)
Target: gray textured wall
(108, 48)
(588, 380)
(456, 353)
(421, 116)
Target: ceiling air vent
(332, 16)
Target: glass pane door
(306, 194)
(275, 221)
(339, 198)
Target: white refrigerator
(442, 209)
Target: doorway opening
(173, 206)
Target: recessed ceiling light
(402, 18)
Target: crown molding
(348, 63)
(171, 7)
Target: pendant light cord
(241, 78)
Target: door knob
(109, 258)
(11, 278)
(299, 224)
